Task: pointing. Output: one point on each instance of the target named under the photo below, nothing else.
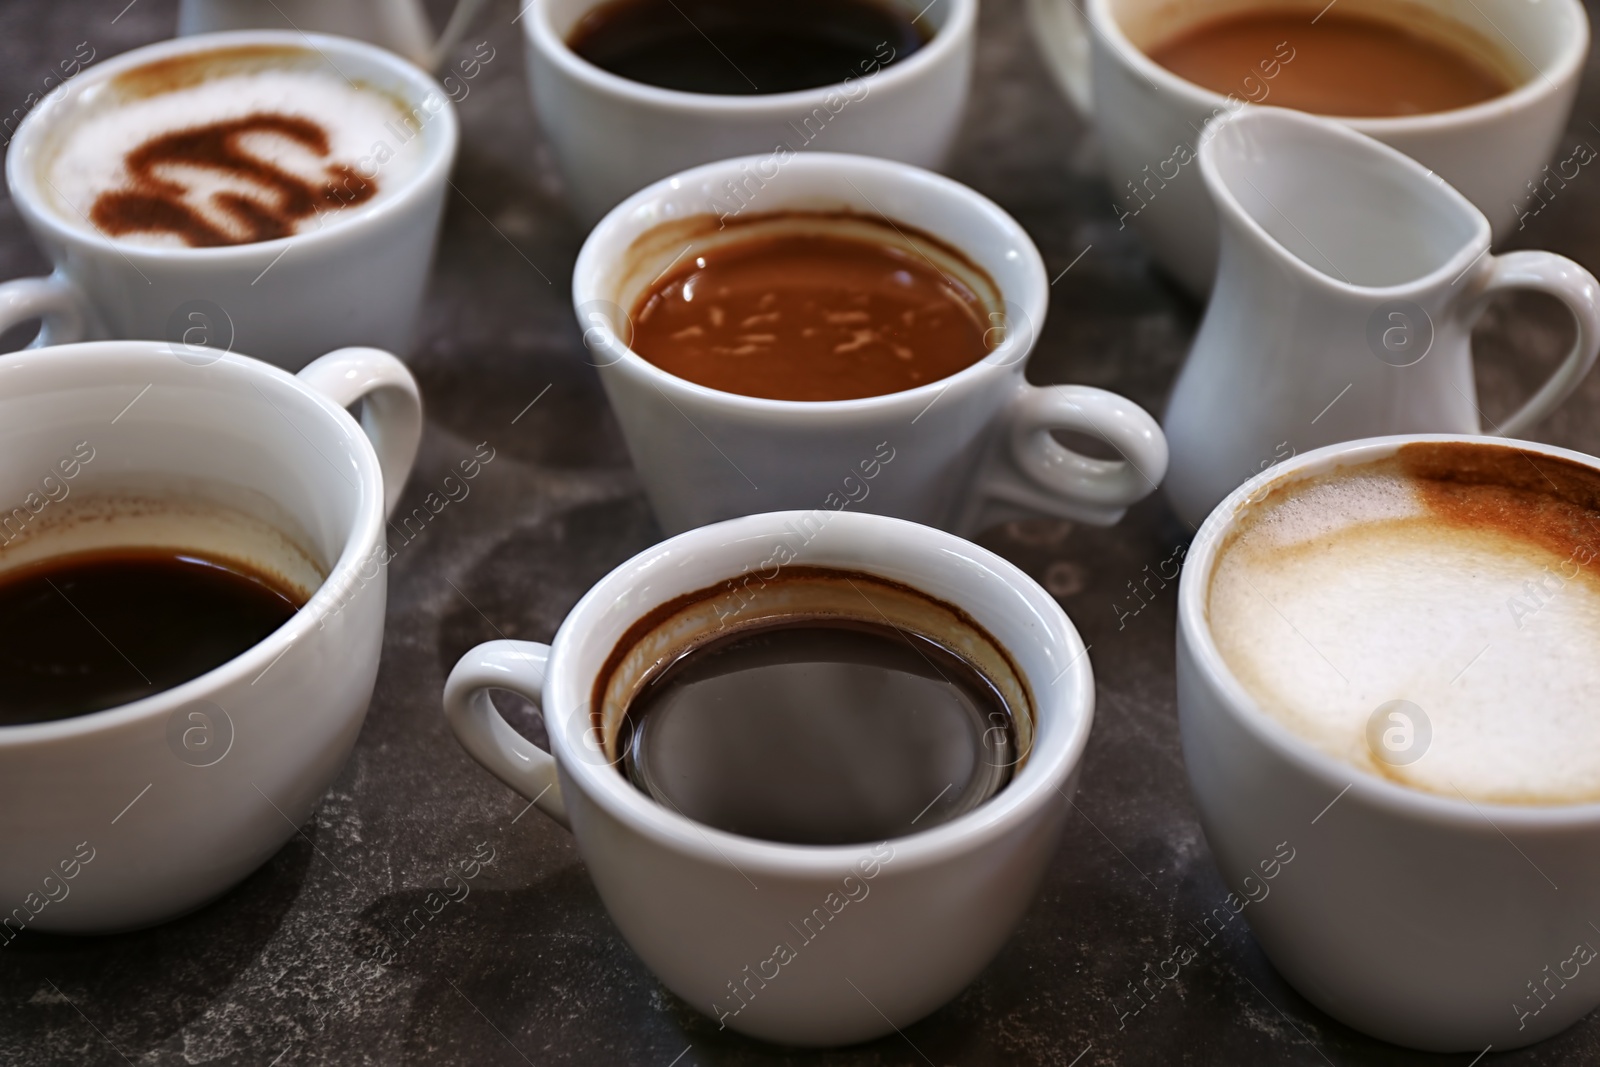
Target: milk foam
(1351, 593)
(366, 129)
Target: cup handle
(520, 667)
(391, 414)
(1062, 31)
(1575, 287)
(53, 300)
(1031, 473)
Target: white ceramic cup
(1347, 287)
(968, 450)
(1420, 919)
(1149, 119)
(356, 281)
(612, 136)
(170, 823)
(704, 908)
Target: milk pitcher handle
(1031, 473)
(517, 666)
(53, 300)
(1578, 290)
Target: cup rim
(544, 41)
(1070, 698)
(21, 176)
(1460, 261)
(71, 364)
(1545, 80)
(1377, 792)
(619, 228)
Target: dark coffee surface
(819, 732)
(348, 947)
(90, 631)
(741, 48)
(809, 317)
(1340, 64)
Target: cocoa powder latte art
(231, 146)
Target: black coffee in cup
(111, 597)
(92, 630)
(743, 48)
(822, 708)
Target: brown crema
(812, 315)
(157, 204)
(1547, 501)
(1544, 500)
(1343, 64)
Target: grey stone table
(528, 969)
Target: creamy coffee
(231, 147)
(1432, 618)
(1407, 61)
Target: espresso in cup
(822, 707)
(229, 146)
(1404, 61)
(107, 599)
(740, 48)
(1430, 617)
(797, 306)
(121, 452)
(842, 332)
(801, 602)
(630, 91)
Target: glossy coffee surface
(741, 48)
(812, 316)
(1340, 64)
(93, 630)
(819, 731)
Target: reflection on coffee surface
(1343, 63)
(797, 315)
(803, 715)
(232, 147)
(89, 631)
(742, 48)
(1432, 618)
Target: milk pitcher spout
(1348, 280)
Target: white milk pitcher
(1348, 280)
(398, 25)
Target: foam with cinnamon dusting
(232, 157)
(1464, 578)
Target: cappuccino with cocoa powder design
(233, 146)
